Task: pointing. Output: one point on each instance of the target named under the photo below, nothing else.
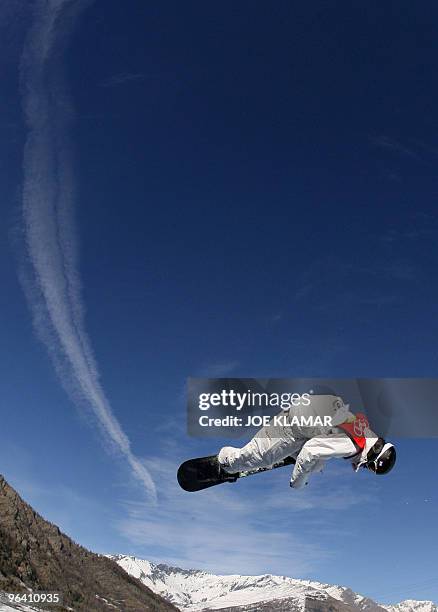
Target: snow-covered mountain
(411, 605)
(196, 591)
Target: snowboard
(204, 472)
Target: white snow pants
(270, 445)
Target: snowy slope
(410, 605)
(17, 608)
(195, 590)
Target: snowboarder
(348, 437)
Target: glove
(298, 483)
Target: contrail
(48, 207)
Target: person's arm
(317, 450)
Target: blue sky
(254, 190)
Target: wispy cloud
(393, 235)
(124, 77)
(223, 530)
(390, 144)
(53, 286)
(258, 525)
(217, 370)
(401, 270)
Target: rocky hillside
(34, 554)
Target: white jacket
(311, 446)
(316, 451)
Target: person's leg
(269, 445)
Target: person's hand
(298, 483)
